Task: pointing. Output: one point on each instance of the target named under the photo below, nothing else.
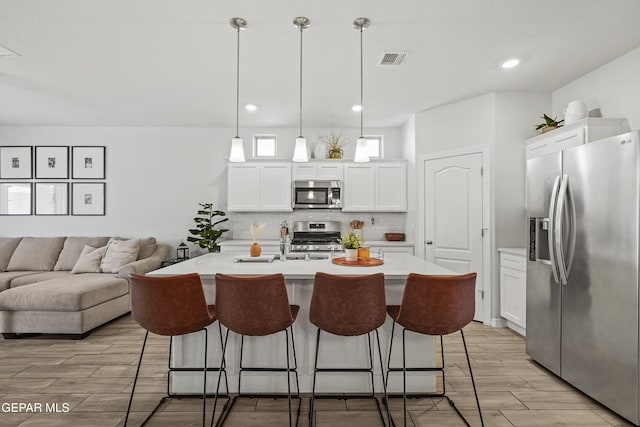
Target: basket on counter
(394, 237)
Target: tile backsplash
(375, 223)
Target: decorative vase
(255, 249)
(335, 153)
(351, 254)
(320, 150)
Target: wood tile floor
(94, 376)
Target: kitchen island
(187, 351)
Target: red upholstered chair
(348, 306)
(257, 306)
(434, 305)
(170, 306)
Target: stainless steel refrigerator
(582, 269)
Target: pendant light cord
(301, 28)
(361, 86)
(238, 83)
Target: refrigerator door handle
(559, 229)
(552, 229)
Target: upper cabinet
(375, 187)
(325, 171)
(576, 133)
(259, 187)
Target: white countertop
(514, 251)
(396, 266)
(269, 242)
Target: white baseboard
(498, 322)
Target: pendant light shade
(300, 153)
(237, 147)
(362, 154)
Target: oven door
(310, 197)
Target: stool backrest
(438, 305)
(171, 305)
(255, 306)
(348, 305)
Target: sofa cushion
(147, 247)
(119, 253)
(8, 276)
(70, 293)
(89, 261)
(7, 246)
(73, 247)
(37, 277)
(36, 254)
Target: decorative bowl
(394, 237)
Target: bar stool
(348, 306)
(434, 305)
(170, 306)
(257, 306)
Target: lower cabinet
(407, 249)
(513, 288)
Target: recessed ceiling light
(510, 63)
(357, 108)
(251, 107)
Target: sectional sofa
(47, 288)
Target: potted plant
(207, 234)
(548, 124)
(351, 242)
(335, 144)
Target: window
(264, 146)
(374, 146)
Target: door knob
(429, 242)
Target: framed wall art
(88, 162)
(15, 162)
(15, 198)
(52, 198)
(52, 162)
(87, 198)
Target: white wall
(408, 138)
(155, 177)
(613, 88)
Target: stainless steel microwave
(317, 194)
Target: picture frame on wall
(15, 198)
(88, 198)
(52, 198)
(88, 162)
(52, 162)
(16, 162)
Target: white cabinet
(395, 248)
(577, 133)
(513, 288)
(375, 187)
(327, 171)
(259, 187)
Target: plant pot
(214, 249)
(351, 254)
(335, 153)
(255, 249)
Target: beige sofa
(40, 294)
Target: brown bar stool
(348, 306)
(257, 306)
(170, 306)
(434, 305)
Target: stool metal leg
(384, 382)
(475, 392)
(135, 380)
(313, 387)
(286, 334)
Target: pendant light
(237, 148)
(300, 149)
(361, 155)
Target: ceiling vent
(392, 58)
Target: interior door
(453, 216)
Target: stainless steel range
(312, 236)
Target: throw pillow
(147, 247)
(89, 260)
(119, 253)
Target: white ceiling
(172, 62)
